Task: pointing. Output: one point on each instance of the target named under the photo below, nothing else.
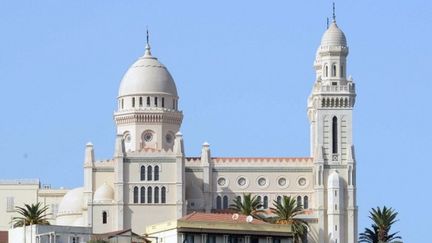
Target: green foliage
(286, 212)
(382, 221)
(31, 214)
(250, 205)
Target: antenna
(327, 22)
(334, 12)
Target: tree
(286, 211)
(250, 205)
(31, 214)
(382, 221)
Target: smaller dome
(72, 202)
(333, 180)
(104, 193)
(333, 36)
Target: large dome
(333, 36)
(147, 76)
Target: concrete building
(150, 180)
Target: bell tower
(330, 109)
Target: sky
(243, 70)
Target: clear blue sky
(243, 71)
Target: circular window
(169, 138)
(282, 181)
(148, 136)
(241, 181)
(221, 181)
(302, 181)
(262, 181)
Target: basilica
(150, 180)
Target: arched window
(326, 71)
(149, 194)
(135, 194)
(341, 71)
(140, 101)
(334, 70)
(148, 101)
(142, 174)
(163, 102)
(265, 203)
(156, 173)
(133, 101)
(279, 199)
(305, 202)
(149, 173)
(156, 195)
(156, 103)
(142, 199)
(225, 202)
(104, 217)
(163, 195)
(260, 201)
(334, 135)
(299, 204)
(218, 202)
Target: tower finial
(147, 48)
(327, 22)
(147, 35)
(334, 12)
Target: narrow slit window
(148, 101)
(305, 202)
(133, 101)
(334, 71)
(163, 195)
(218, 202)
(156, 173)
(149, 194)
(135, 195)
(142, 199)
(142, 176)
(299, 201)
(156, 101)
(163, 102)
(265, 203)
(326, 71)
(334, 135)
(140, 101)
(341, 71)
(149, 173)
(156, 195)
(104, 217)
(225, 202)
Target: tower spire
(334, 12)
(147, 48)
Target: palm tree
(286, 211)
(382, 223)
(31, 214)
(250, 205)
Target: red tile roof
(218, 217)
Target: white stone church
(150, 180)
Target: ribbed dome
(333, 36)
(104, 193)
(333, 180)
(147, 76)
(72, 202)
